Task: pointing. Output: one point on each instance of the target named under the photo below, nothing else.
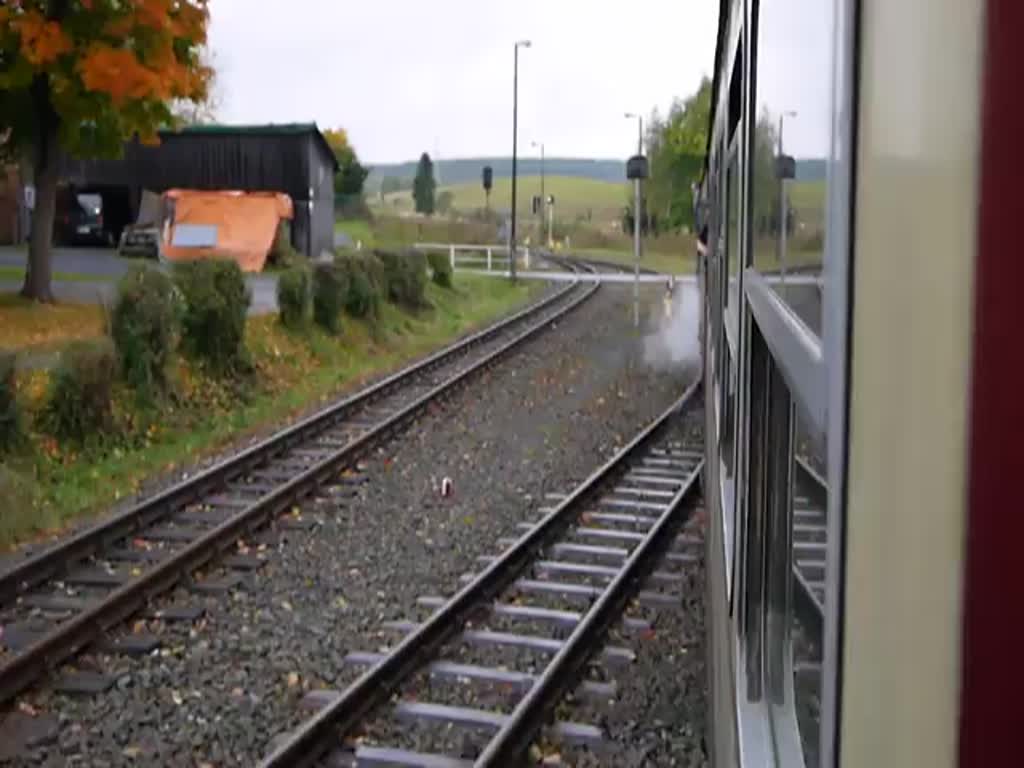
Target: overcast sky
(411, 75)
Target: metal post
(636, 226)
(782, 210)
(636, 252)
(543, 199)
(451, 254)
(488, 259)
(551, 221)
(515, 128)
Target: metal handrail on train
(795, 348)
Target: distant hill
(469, 170)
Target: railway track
(810, 541)
(454, 691)
(61, 601)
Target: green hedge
(364, 277)
(10, 414)
(145, 323)
(295, 297)
(405, 274)
(216, 304)
(441, 267)
(78, 406)
(330, 291)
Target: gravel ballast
(219, 689)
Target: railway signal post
(636, 171)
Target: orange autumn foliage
(42, 41)
(113, 62)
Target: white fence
(489, 257)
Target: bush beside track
(172, 396)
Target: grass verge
(26, 325)
(358, 230)
(18, 273)
(59, 484)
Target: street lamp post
(543, 199)
(515, 130)
(636, 219)
(783, 212)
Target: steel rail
(315, 736)
(806, 603)
(510, 744)
(55, 560)
(69, 637)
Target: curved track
(60, 601)
(599, 546)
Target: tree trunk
(39, 269)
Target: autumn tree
(86, 75)
(351, 173)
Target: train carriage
(860, 198)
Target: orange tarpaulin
(236, 225)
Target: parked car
(79, 219)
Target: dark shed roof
(290, 158)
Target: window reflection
(791, 141)
(788, 181)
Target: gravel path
(220, 688)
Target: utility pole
(543, 198)
(783, 213)
(515, 130)
(551, 219)
(637, 176)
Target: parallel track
(810, 540)
(600, 545)
(58, 602)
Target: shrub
(216, 303)
(330, 288)
(10, 415)
(363, 277)
(144, 324)
(282, 253)
(406, 277)
(294, 297)
(441, 266)
(78, 406)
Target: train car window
(790, 146)
(785, 531)
(733, 241)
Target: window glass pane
(732, 231)
(791, 146)
(788, 183)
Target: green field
(574, 196)
(807, 195)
